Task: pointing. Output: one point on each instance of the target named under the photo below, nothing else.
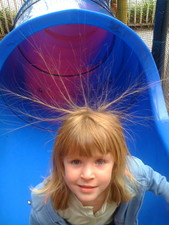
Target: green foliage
(6, 20)
(142, 13)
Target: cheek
(70, 175)
(68, 180)
(107, 177)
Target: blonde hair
(84, 131)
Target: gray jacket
(126, 213)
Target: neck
(97, 204)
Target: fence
(140, 13)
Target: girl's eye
(75, 162)
(100, 161)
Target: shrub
(6, 20)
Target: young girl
(94, 179)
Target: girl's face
(89, 177)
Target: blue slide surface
(49, 54)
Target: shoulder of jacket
(38, 200)
(44, 209)
(136, 166)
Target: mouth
(87, 189)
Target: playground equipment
(56, 48)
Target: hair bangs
(88, 143)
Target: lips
(85, 188)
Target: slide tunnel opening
(69, 63)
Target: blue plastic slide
(56, 48)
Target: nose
(87, 172)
